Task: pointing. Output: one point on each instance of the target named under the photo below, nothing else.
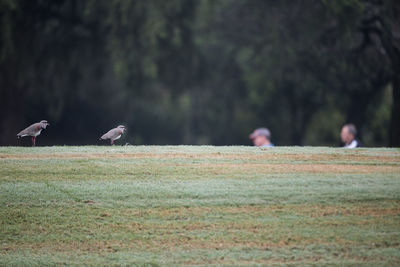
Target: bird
(114, 134)
(34, 130)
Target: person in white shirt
(348, 136)
(261, 137)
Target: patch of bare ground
(70, 246)
(258, 210)
(291, 261)
(172, 243)
(274, 157)
(227, 168)
(274, 167)
(322, 211)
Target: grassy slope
(199, 205)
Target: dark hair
(351, 128)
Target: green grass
(199, 205)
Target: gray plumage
(33, 130)
(113, 134)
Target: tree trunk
(395, 120)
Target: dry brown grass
(266, 163)
(242, 156)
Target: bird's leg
(112, 142)
(33, 141)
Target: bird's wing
(30, 130)
(110, 134)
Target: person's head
(260, 137)
(348, 133)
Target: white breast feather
(38, 132)
(118, 137)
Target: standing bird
(33, 130)
(114, 134)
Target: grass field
(199, 205)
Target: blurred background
(200, 71)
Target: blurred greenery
(200, 72)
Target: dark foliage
(200, 72)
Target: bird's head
(122, 127)
(44, 124)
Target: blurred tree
(381, 28)
(200, 72)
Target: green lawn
(199, 205)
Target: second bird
(114, 134)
